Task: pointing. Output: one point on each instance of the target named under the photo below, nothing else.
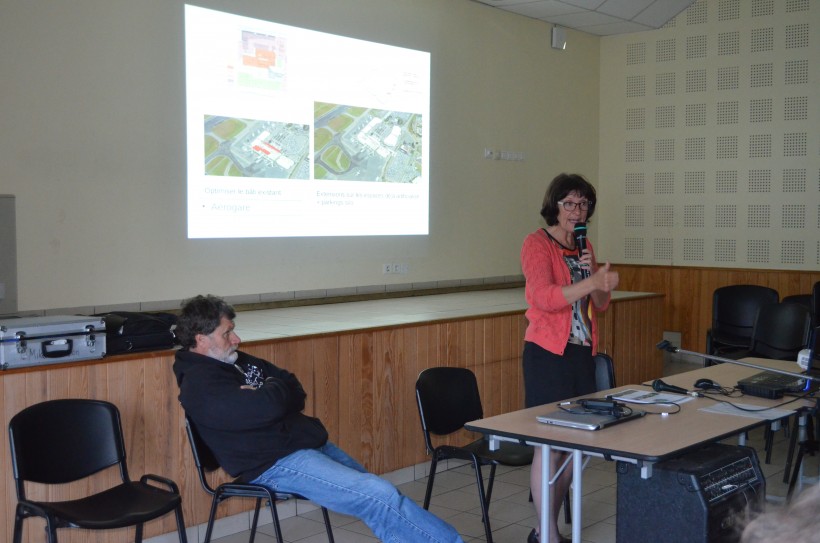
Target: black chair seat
(780, 331)
(63, 441)
(508, 453)
(734, 309)
(123, 505)
(206, 463)
(448, 398)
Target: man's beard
(229, 357)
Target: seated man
(249, 412)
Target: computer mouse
(706, 384)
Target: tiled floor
(512, 515)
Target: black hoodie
(248, 430)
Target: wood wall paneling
(361, 384)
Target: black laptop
(768, 384)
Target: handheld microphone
(660, 386)
(580, 233)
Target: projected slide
(360, 144)
(293, 132)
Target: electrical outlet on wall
(395, 268)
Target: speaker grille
(694, 182)
(794, 180)
(762, 39)
(634, 184)
(726, 182)
(665, 117)
(665, 183)
(760, 111)
(665, 50)
(726, 216)
(761, 8)
(728, 43)
(636, 119)
(662, 249)
(664, 216)
(665, 149)
(727, 113)
(635, 54)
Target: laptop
(586, 421)
(768, 384)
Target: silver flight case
(38, 341)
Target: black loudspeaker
(699, 497)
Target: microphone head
(580, 234)
(660, 386)
(666, 346)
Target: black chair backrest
(604, 372)
(60, 441)
(735, 307)
(203, 455)
(447, 399)
(781, 331)
(815, 301)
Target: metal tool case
(39, 341)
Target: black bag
(127, 331)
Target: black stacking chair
(734, 309)
(447, 399)
(780, 332)
(62, 441)
(805, 300)
(604, 372)
(206, 463)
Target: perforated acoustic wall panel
(710, 138)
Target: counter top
(349, 316)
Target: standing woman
(563, 288)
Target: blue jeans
(329, 477)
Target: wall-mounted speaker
(559, 38)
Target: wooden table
(643, 441)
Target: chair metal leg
(210, 528)
(490, 483)
(18, 526)
(328, 526)
(810, 447)
(255, 521)
(51, 530)
(429, 492)
(799, 425)
(769, 438)
(276, 526)
(485, 513)
(183, 535)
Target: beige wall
(709, 145)
(92, 105)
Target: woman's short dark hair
(201, 315)
(559, 188)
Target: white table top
(653, 437)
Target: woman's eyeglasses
(572, 206)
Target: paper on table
(648, 396)
(756, 413)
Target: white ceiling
(600, 17)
